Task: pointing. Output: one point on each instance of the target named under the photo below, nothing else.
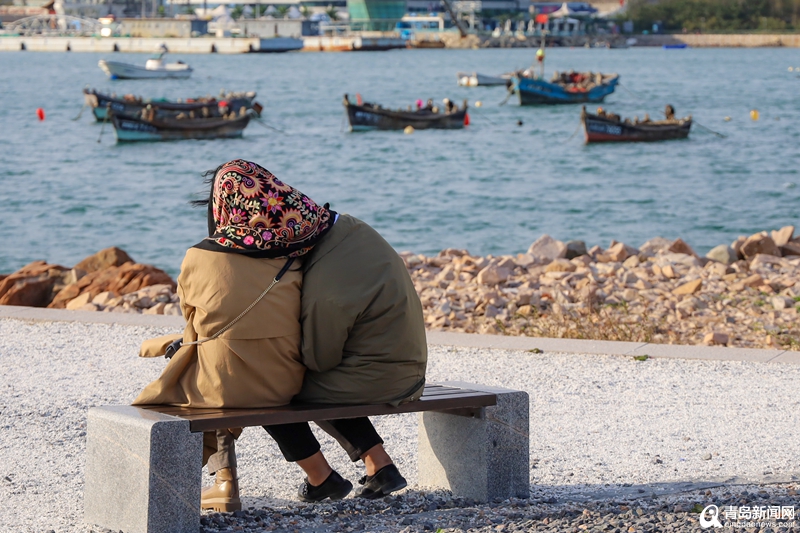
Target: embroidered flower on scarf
(273, 202)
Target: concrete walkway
(442, 338)
(603, 425)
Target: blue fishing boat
(589, 87)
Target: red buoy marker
(40, 113)
(466, 119)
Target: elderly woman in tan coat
(259, 230)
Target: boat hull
(102, 103)
(130, 129)
(599, 129)
(125, 71)
(540, 92)
(475, 79)
(365, 118)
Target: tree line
(715, 15)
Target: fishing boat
(135, 129)
(475, 79)
(564, 88)
(606, 127)
(366, 116)
(131, 106)
(154, 68)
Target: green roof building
(377, 15)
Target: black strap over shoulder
(176, 345)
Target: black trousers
(297, 442)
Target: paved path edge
(468, 340)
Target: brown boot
(223, 495)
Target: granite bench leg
(479, 458)
(142, 471)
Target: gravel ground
(614, 441)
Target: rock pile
(743, 294)
(106, 281)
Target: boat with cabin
(608, 127)
(564, 88)
(154, 68)
(476, 79)
(367, 116)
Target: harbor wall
(203, 45)
(242, 45)
(749, 40)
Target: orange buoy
(466, 119)
(40, 113)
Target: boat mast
(540, 54)
(453, 16)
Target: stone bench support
(484, 457)
(143, 471)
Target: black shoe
(384, 482)
(335, 487)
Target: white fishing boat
(474, 79)
(155, 68)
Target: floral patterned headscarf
(252, 212)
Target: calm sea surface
(492, 188)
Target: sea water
(492, 188)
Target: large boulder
(760, 243)
(737, 246)
(123, 279)
(783, 235)
(790, 248)
(575, 249)
(722, 254)
(493, 275)
(110, 257)
(32, 285)
(547, 248)
(679, 246)
(653, 246)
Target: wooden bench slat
(435, 398)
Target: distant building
(380, 15)
(163, 27)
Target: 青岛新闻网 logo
(713, 512)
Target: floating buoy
(754, 114)
(727, 119)
(791, 69)
(40, 113)
(519, 122)
(408, 130)
(478, 103)
(466, 119)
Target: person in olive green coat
(363, 329)
(363, 342)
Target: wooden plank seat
(436, 397)
(143, 464)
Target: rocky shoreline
(745, 294)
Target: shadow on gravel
(667, 507)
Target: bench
(143, 465)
